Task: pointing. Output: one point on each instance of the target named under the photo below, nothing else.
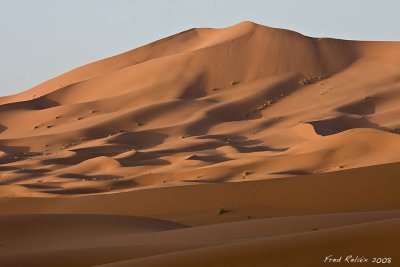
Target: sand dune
(213, 147)
(307, 217)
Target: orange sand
(129, 161)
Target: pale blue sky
(44, 38)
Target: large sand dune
(242, 146)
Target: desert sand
(241, 146)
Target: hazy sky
(40, 39)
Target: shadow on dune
(42, 186)
(343, 123)
(250, 149)
(39, 103)
(195, 89)
(242, 143)
(141, 139)
(209, 158)
(16, 153)
(293, 172)
(2, 128)
(34, 171)
(238, 109)
(75, 190)
(89, 177)
(8, 168)
(143, 162)
(365, 107)
(72, 160)
(108, 150)
(123, 183)
(15, 149)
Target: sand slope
(349, 212)
(129, 161)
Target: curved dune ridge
(151, 139)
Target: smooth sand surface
(242, 146)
